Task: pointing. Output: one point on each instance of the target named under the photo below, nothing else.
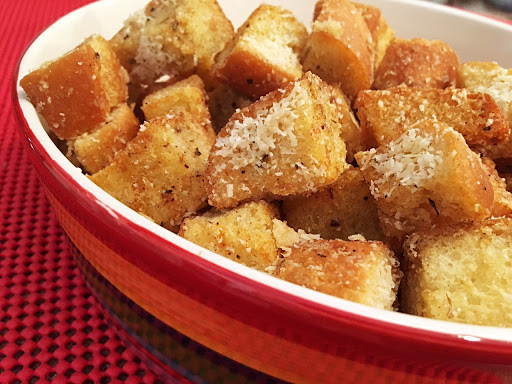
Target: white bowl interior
(470, 35)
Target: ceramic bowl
(193, 313)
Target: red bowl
(211, 319)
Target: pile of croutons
(343, 159)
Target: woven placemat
(51, 328)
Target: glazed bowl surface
(253, 319)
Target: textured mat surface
(51, 328)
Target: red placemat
(51, 328)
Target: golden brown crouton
(223, 102)
(356, 138)
(381, 32)
(76, 92)
(388, 113)
(425, 177)
(340, 48)
(175, 38)
(502, 198)
(497, 82)
(186, 96)
(360, 271)
(96, 149)
(287, 142)
(417, 63)
(264, 55)
(125, 42)
(160, 172)
(244, 234)
(460, 273)
(488, 77)
(337, 211)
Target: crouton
(356, 138)
(460, 273)
(125, 43)
(264, 55)
(160, 172)
(337, 211)
(186, 96)
(223, 102)
(340, 48)
(175, 38)
(502, 198)
(387, 114)
(287, 142)
(490, 78)
(417, 63)
(360, 271)
(244, 234)
(96, 149)
(75, 92)
(381, 32)
(425, 177)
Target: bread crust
(417, 63)
(387, 113)
(340, 48)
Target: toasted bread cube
(175, 38)
(125, 43)
(75, 92)
(497, 82)
(186, 96)
(96, 149)
(337, 211)
(360, 271)
(381, 32)
(460, 273)
(264, 55)
(417, 63)
(223, 102)
(488, 77)
(388, 113)
(427, 176)
(160, 172)
(340, 48)
(356, 138)
(287, 142)
(244, 234)
(502, 198)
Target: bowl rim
(495, 342)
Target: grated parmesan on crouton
(387, 114)
(496, 81)
(173, 38)
(287, 142)
(425, 177)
